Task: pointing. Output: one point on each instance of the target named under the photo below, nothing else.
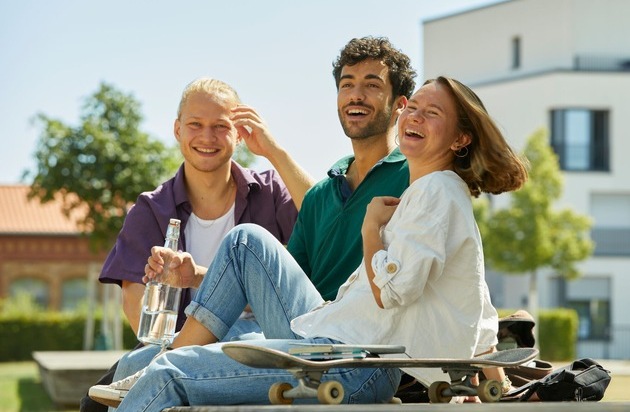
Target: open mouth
(414, 134)
(357, 112)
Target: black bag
(582, 380)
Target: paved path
(617, 367)
(498, 407)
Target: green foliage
(558, 334)
(102, 164)
(243, 156)
(22, 303)
(24, 333)
(531, 234)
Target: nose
(357, 94)
(208, 133)
(416, 116)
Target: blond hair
(209, 86)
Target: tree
(531, 234)
(100, 166)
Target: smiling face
(365, 104)
(427, 128)
(207, 138)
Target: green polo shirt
(326, 239)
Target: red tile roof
(19, 215)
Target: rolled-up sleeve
(415, 250)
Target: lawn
(21, 389)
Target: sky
(277, 54)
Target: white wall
(475, 47)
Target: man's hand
(252, 128)
(180, 266)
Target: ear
(463, 140)
(176, 128)
(400, 104)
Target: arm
(125, 263)
(259, 140)
(132, 302)
(378, 213)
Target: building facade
(43, 253)
(561, 65)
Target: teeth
(202, 150)
(413, 132)
(357, 111)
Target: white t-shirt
(203, 237)
(432, 281)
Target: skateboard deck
(309, 372)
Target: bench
(67, 375)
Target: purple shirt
(261, 198)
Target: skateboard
(309, 372)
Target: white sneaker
(113, 394)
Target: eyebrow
(430, 105)
(367, 77)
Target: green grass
(21, 389)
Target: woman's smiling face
(427, 127)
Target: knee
(245, 230)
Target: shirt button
(391, 268)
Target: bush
(557, 333)
(22, 334)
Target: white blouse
(432, 281)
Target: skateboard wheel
(436, 391)
(330, 393)
(276, 393)
(489, 391)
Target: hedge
(557, 333)
(23, 334)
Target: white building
(563, 65)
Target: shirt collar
(341, 166)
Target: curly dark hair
(401, 74)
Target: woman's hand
(379, 212)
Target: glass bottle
(160, 303)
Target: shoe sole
(105, 398)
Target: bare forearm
(132, 294)
(372, 243)
(297, 180)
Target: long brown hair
(488, 164)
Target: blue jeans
(251, 266)
(132, 362)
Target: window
(580, 139)
(37, 289)
(611, 230)
(593, 318)
(590, 298)
(516, 52)
(73, 293)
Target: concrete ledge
(67, 375)
(418, 407)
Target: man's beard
(379, 125)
